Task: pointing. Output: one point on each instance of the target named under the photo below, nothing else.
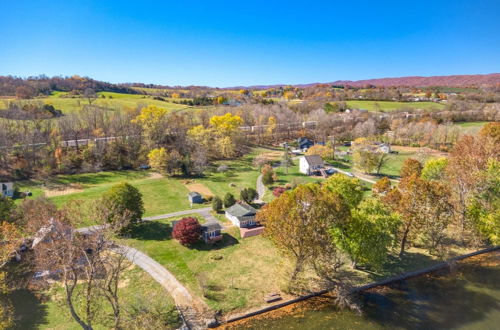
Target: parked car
(331, 171)
(144, 167)
(349, 174)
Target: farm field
(392, 105)
(233, 274)
(136, 289)
(109, 100)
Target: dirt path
(261, 190)
(194, 310)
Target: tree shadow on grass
(29, 312)
(151, 231)
(227, 240)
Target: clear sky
(231, 43)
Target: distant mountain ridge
(411, 81)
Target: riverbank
(370, 296)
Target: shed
(211, 232)
(7, 189)
(195, 198)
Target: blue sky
(231, 43)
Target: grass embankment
(136, 289)
(234, 274)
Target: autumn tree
(484, 208)
(410, 166)
(158, 159)
(349, 188)
(187, 231)
(382, 186)
(153, 121)
(425, 209)
(369, 234)
(298, 222)
(320, 150)
(434, 169)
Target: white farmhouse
(310, 164)
(7, 189)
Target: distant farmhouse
(304, 144)
(310, 165)
(7, 189)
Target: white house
(241, 215)
(310, 164)
(7, 189)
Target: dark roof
(211, 226)
(193, 194)
(314, 160)
(241, 210)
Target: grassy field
(136, 289)
(160, 195)
(470, 128)
(392, 105)
(232, 275)
(109, 100)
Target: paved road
(201, 212)
(356, 175)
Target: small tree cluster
(187, 231)
(248, 195)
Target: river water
(467, 297)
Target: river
(467, 297)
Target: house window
(213, 234)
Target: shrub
(217, 204)
(278, 191)
(124, 198)
(248, 195)
(187, 231)
(229, 200)
(268, 178)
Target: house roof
(241, 210)
(314, 160)
(211, 226)
(193, 194)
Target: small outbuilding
(195, 198)
(211, 232)
(7, 189)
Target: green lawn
(160, 195)
(136, 288)
(391, 105)
(232, 275)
